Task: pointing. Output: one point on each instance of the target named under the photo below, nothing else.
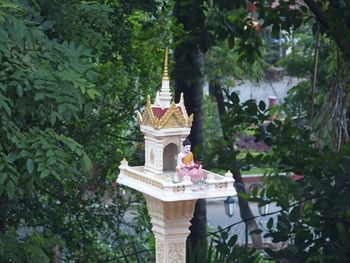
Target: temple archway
(170, 153)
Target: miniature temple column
(171, 222)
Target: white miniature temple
(166, 125)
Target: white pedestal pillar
(171, 222)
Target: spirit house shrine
(171, 190)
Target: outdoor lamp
(230, 206)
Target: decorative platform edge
(162, 187)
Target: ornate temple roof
(164, 113)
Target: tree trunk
(187, 61)
(246, 213)
(189, 80)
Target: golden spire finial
(165, 71)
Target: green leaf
(231, 41)
(268, 141)
(88, 109)
(294, 214)
(271, 127)
(44, 173)
(39, 96)
(275, 31)
(244, 195)
(3, 178)
(41, 167)
(51, 161)
(256, 232)
(48, 24)
(11, 157)
(10, 189)
(283, 202)
(255, 191)
(232, 240)
(30, 165)
(19, 91)
(224, 235)
(269, 223)
(91, 75)
(11, 6)
(87, 162)
(92, 93)
(62, 108)
(36, 253)
(53, 118)
(4, 104)
(234, 98)
(262, 105)
(252, 108)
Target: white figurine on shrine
(186, 165)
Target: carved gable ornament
(173, 117)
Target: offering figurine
(186, 165)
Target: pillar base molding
(171, 222)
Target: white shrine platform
(163, 188)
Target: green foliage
(297, 103)
(298, 62)
(66, 105)
(303, 222)
(311, 208)
(224, 248)
(42, 86)
(85, 23)
(313, 221)
(230, 21)
(212, 132)
(224, 66)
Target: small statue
(186, 165)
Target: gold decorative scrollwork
(179, 188)
(144, 180)
(173, 117)
(221, 185)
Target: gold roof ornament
(165, 70)
(172, 117)
(164, 113)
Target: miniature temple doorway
(170, 153)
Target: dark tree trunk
(188, 71)
(189, 80)
(246, 213)
(187, 62)
(216, 94)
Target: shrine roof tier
(158, 117)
